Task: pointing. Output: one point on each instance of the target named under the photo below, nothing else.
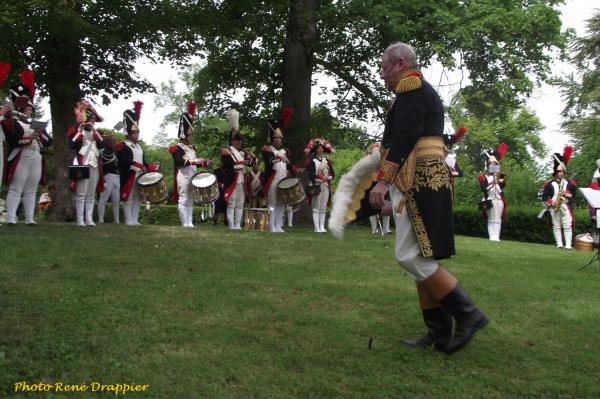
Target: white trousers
(85, 194)
(562, 219)
(235, 207)
(494, 218)
(276, 207)
(385, 224)
(185, 204)
(407, 249)
(289, 215)
(24, 184)
(319, 208)
(131, 208)
(319, 203)
(112, 187)
(1, 157)
(1, 169)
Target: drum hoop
(288, 178)
(150, 184)
(204, 173)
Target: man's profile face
(277, 142)
(28, 110)
(134, 135)
(110, 142)
(560, 174)
(390, 69)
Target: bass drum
(257, 219)
(291, 191)
(205, 187)
(152, 187)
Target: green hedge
(166, 215)
(521, 224)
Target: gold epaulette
(225, 152)
(266, 148)
(408, 84)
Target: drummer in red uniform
(235, 160)
(131, 160)
(185, 162)
(277, 166)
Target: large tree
(268, 53)
(582, 91)
(80, 48)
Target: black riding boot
(439, 333)
(468, 318)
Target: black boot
(439, 333)
(468, 318)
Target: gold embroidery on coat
(431, 173)
(418, 226)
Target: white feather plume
(233, 117)
(346, 188)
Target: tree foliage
(100, 40)
(504, 45)
(582, 92)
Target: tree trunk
(298, 64)
(61, 106)
(63, 80)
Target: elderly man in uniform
(414, 172)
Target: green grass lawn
(284, 316)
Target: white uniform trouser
(131, 208)
(562, 218)
(407, 249)
(385, 224)
(185, 204)
(235, 206)
(319, 208)
(85, 198)
(24, 183)
(112, 187)
(276, 206)
(1, 157)
(1, 171)
(289, 215)
(494, 218)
